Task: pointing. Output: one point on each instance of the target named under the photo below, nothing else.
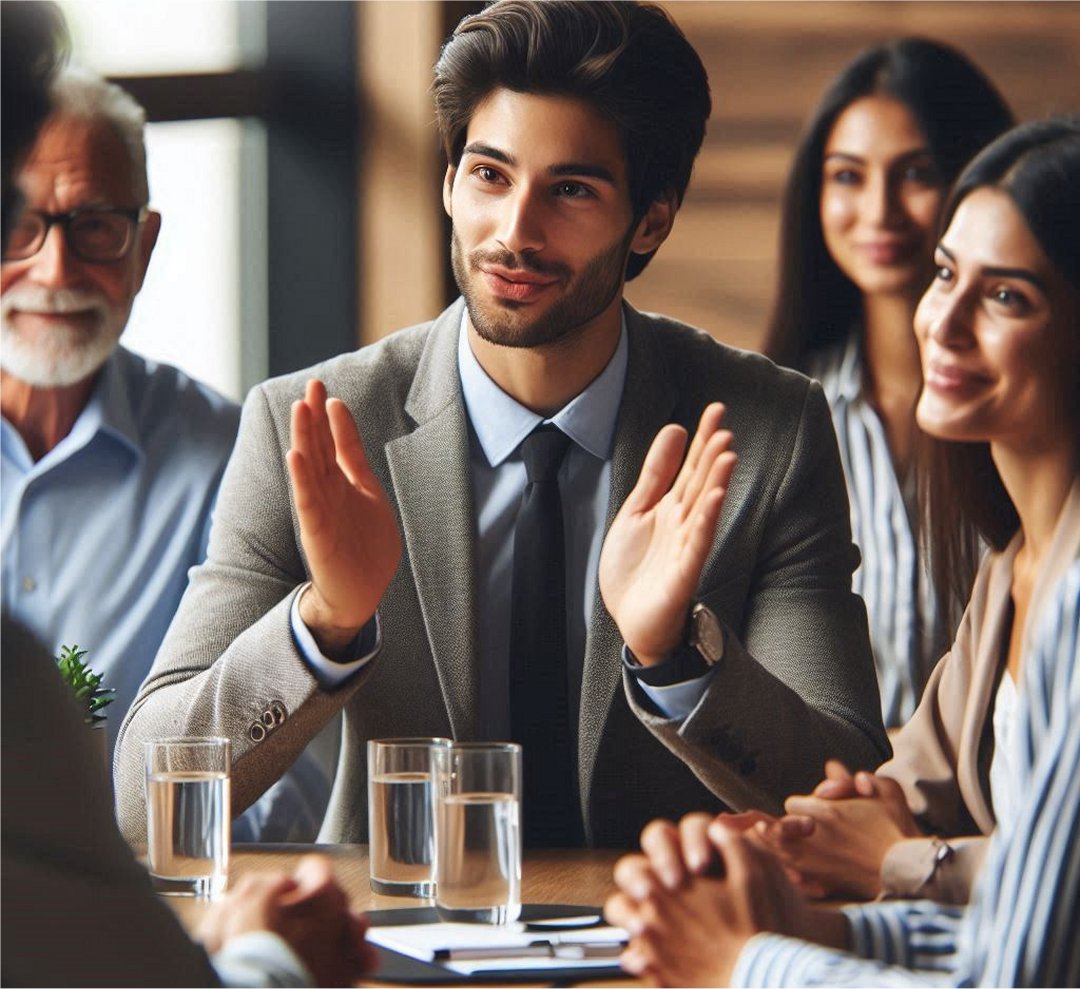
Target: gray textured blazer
(796, 686)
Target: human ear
(148, 236)
(448, 189)
(654, 227)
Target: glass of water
(401, 815)
(187, 815)
(478, 832)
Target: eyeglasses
(98, 234)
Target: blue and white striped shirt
(1021, 928)
(906, 632)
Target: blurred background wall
(293, 156)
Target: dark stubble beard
(507, 324)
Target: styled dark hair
(962, 495)
(628, 60)
(35, 43)
(958, 110)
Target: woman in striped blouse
(859, 220)
(1020, 929)
(999, 334)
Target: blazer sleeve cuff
(331, 673)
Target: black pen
(570, 951)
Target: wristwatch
(706, 634)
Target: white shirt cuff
(329, 673)
(260, 958)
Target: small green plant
(84, 683)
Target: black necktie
(539, 709)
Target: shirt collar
(108, 411)
(501, 422)
(849, 372)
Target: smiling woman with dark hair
(860, 216)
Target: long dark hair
(958, 110)
(963, 498)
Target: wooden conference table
(572, 876)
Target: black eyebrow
(995, 271)
(572, 168)
(489, 152)
(906, 156)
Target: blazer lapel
(429, 468)
(648, 400)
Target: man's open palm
(347, 527)
(656, 548)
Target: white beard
(71, 352)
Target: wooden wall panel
(768, 63)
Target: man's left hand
(656, 548)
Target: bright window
(203, 305)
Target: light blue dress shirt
(99, 534)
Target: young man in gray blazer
(428, 582)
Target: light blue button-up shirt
(99, 534)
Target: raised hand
(347, 527)
(655, 550)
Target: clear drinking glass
(478, 832)
(401, 815)
(187, 815)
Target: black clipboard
(396, 967)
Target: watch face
(708, 635)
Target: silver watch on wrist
(706, 634)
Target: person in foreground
(570, 131)
(752, 928)
(860, 218)
(78, 908)
(999, 334)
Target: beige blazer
(941, 757)
(797, 684)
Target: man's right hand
(348, 529)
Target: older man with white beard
(110, 463)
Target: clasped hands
(700, 890)
(308, 910)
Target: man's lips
(48, 317)
(516, 284)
